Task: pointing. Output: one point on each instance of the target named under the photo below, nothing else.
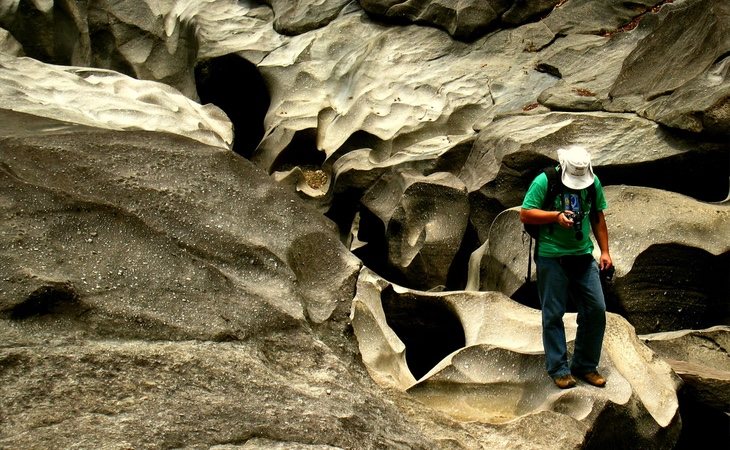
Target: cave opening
(301, 152)
(237, 87)
(51, 299)
(428, 327)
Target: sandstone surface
(158, 289)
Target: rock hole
(51, 299)
(301, 152)
(703, 425)
(428, 327)
(237, 87)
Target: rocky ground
(268, 224)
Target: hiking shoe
(592, 378)
(565, 381)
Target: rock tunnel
(236, 86)
(427, 327)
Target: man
(566, 267)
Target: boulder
(300, 16)
(700, 358)
(497, 376)
(9, 45)
(121, 233)
(158, 291)
(420, 222)
(597, 16)
(152, 236)
(463, 20)
(697, 31)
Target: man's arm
(540, 217)
(600, 230)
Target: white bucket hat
(575, 162)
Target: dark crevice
(237, 87)
(459, 269)
(51, 299)
(104, 52)
(549, 69)
(675, 287)
(428, 327)
(301, 152)
(703, 425)
(701, 175)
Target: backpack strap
(592, 198)
(553, 188)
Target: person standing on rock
(565, 264)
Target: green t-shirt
(555, 240)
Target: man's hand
(564, 219)
(605, 261)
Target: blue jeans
(577, 277)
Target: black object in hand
(607, 273)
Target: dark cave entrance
(428, 327)
(237, 87)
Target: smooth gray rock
(299, 16)
(352, 101)
(595, 16)
(465, 20)
(693, 93)
(127, 257)
(701, 358)
(107, 99)
(152, 236)
(287, 388)
(9, 45)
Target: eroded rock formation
(498, 375)
(135, 241)
(701, 358)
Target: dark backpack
(554, 188)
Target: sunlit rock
(154, 236)
(107, 99)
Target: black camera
(607, 274)
(577, 218)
